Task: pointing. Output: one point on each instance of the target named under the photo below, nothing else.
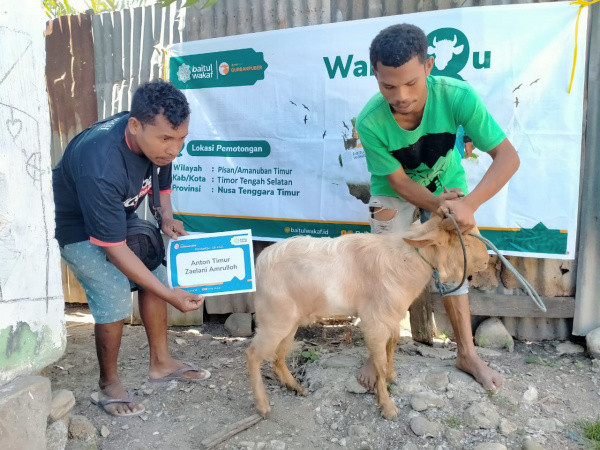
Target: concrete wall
(32, 328)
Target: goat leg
(281, 368)
(377, 350)
(253, 362)
(390, 347)
(287, 378)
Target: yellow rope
(166, 54)
(582, 4)
(164, 51)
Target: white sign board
(272, 145)
(212, 264)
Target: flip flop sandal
(104, 402)
(177, 375)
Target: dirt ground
(333, 416)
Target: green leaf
(209, 3)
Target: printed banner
(273, 145)
(212, 264)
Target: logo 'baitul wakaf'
(243, 67)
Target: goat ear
(418, 243)
(433, 237)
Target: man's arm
(171, 227)
(418, 195)
(505, 163)
(133, 268)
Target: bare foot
(173, 369)
(483, 374)
(116, 391)
(367, 376)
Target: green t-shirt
(427, 153)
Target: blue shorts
(107, 289)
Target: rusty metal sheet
(70, 79)
(70, 83)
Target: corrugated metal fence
(128, 50)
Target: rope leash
(528, 287)
(440, 286)
(436, 274)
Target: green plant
(57, 8)
(504, 402)
(533, 360)
(541, 361)
(482, 342)
(591, 432)
(310, 355)
(453, 421)
(207, 3)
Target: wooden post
(421, 318)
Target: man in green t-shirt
(408, 131)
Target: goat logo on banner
(450, 48)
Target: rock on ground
(568, 348)
(530, 396)
(490, 446)
(438, 381)
(439, 353)
(424, 400)
(532, 444)
(492, 333)
(423, 427)
(62, 404)
(277, 445)
(541, 424)
(239, 324)
(24, 407)
(82, 429)
(56, 436)
(506, 427)
(341, 362)
(358, 431)
(592, 340)
(353, 386)
(454, 437)
(482, 415)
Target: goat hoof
(302, 392)
(264, 410)
(391, 377)
(389, 412)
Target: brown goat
(373, 276)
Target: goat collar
(435, 275)
(423, 258)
